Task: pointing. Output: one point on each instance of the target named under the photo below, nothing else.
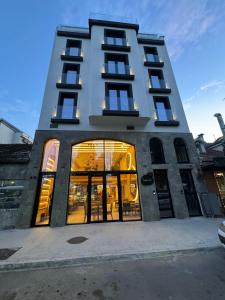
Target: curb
(84, 261)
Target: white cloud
(213, 84)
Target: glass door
(96, 198)
(190, 193)
(163, 194)
(112, 198)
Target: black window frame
(69, 44)
(63, 84)
(162, 89)
(181, 147)
(112, 33)
(166, 102)
(59, 118)
(157, 155)
(118, 87)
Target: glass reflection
(99, 155)
(112, 198)
(130, 197)
(77, 201)
(96, 199)
(51, 153)
(45, 200)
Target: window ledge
(159, 90)
(133, 113)
(154, 64)
(167, 123)
(118, 76)
(65, 121)
(122, 48)
(61, 85)
(71, 57)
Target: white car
(221, 233)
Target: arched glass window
(103, 183)
(103, 155)
(46, 185)
(156, 149)
(50, 158)
(181, 150)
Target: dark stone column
(29, 194)
(60, 197)
(149, 202)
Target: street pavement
(78, 244)
(191, 276)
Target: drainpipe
(222, 127)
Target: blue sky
(195, 37)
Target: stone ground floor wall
(9, 204)
(148, 197)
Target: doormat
(7, 252)
(77, 240)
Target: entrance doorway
(190, 193)
(103, 183)
(102, 197)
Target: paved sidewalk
(49, 247)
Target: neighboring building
(113, 143)
(9, 134)
(14, 159)
(212, 161)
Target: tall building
(112, 143)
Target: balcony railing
(164, 115)
(69, 78)
(69, 81)
(116, 41)
(120, 106)
(162, 84)
(65, 114)
(119, 70)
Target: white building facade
(113, 143)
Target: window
(163, 110)
(70, 74)
(115, 37)
(100, 155)
(151, 54)
(156, 149)
(163, 194)
(73, 48)
(116, 64)
(119, 97)
(67, 106)
(156, 79)
(181, 151)
(11, 193)
(46, 184)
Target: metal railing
(117, 41)
(120, 69)
(67, 78)
(65, 112)
(120, 104)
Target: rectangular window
(67, 106)
(10, 193)
(151, 54)
(163, 194)
(163, 110)
(157, 79)
(70, 74)
(115, 37)
(116, 63)
(119, 97)
(73, 47)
